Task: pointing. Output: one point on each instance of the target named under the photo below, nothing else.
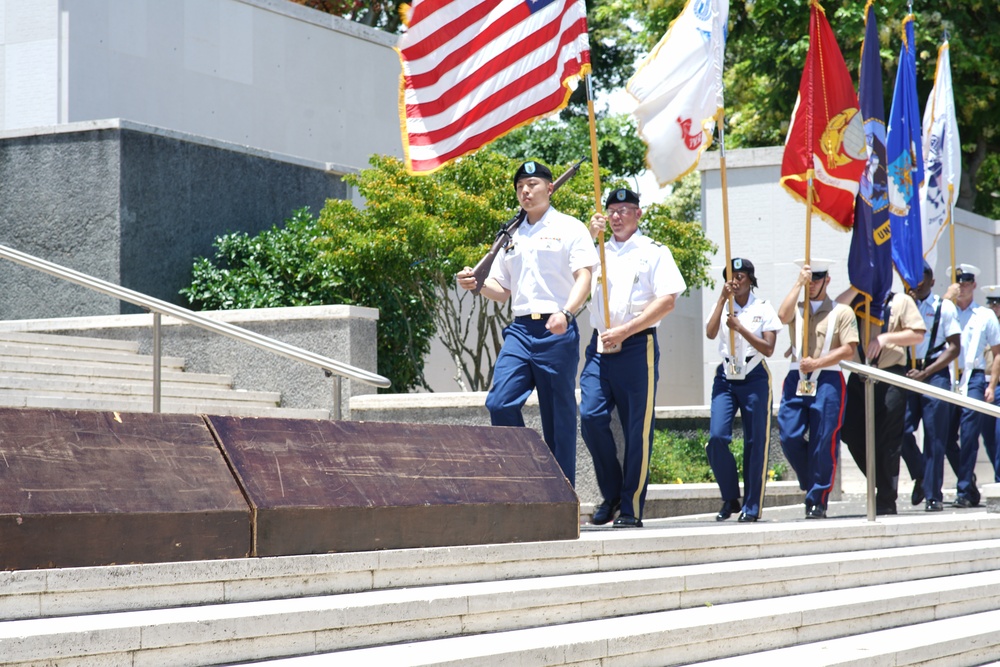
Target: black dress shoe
(934, 506)
(964, 502)
(815, 512)
(974, 492)
(604, 513)
(917, 496)
(626, 521)
(729, 507)
(747, 518)
(887, 509)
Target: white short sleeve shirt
(640, 270)
(538, 264)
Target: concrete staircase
(907, 590)
(77, 373)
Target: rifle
(503, 237)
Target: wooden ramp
(84, 488)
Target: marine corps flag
(826, 134)
(905, 160)
(679, 89)
(869, 264)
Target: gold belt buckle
(734, 370)
(806, 388)
(536, 316)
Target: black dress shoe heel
(729, 507)
(625, 521)
(604, 513)
(815, 512)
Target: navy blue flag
(869, 264)
(905, 155)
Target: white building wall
(264, 73)
(768, 227)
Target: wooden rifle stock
(482, 270)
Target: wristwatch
(569, 316)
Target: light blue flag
(905, 157)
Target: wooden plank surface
(319, 486)
(93, 488)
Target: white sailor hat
(819, 267)
(992, 294)
(964, 273)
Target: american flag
(473, 70)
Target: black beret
(743, 266)
(530, 169)
(622, 196)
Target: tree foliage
(382, 15)
(400, 254)
(620, 151)
(309, 262)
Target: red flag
(827, 133)
(473, 70)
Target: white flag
(679, 89)
(942, 158)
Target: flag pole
(953, 278)
(597, 205)
(720, 117)
(806, 307)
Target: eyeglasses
(622, 210)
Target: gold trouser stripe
(647, 421)
(767, 439)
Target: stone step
(33, 368)
(69, 356)
(77, 373)
(69, 591)
(686, 636)
(105, 387)
(167, 405)
(967, 640)
(227, 611)
(462, 625)
(59, 340)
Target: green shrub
(680, 457)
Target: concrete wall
(264, 73)
(134, 205)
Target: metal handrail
(872, 375)
(333, 367)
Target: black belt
(651, 331)
(533, 317)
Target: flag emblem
(691, 140)
(843, 140)
(901, 175)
